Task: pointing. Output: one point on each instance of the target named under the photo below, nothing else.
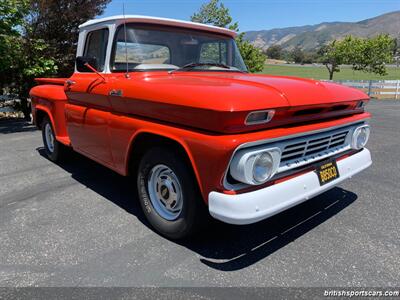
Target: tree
(298, 55)
(21, 58)
(38, 38)
(368, 55)
(252, 56)
(57, 21)
(331, 57)
(371, 55)
(396, 51)
(215, 13)
(274, 52)
(12, 14)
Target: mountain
(314, 36)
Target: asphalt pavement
(80, 224)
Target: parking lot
(79, 224)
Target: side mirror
(83, 61)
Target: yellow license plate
(327, 172)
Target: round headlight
(360, 137)
(262, 167)
(255, 166)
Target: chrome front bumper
(254, 206)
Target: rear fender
(51, 100)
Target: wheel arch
(144, 140)
(40, 114)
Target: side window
(214, 52)
(96, 47)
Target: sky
(263, 14)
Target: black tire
(58, 152)
(193, 214)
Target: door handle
(117, 93)
(69, 82)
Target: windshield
(150, 47)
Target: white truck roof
(120, 19)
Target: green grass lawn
(346, 73)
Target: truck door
(88, 108)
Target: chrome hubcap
(48, 132)
(165, 192)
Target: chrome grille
(313, 145)
(304, 149)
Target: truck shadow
(222, 246)
(231, 248)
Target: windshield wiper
(193, 65)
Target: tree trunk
(331, 70)
(26, 109)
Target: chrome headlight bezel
(244, 162)
(365, 129)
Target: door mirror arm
(87, 65)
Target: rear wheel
(169, 194)
(54, 149)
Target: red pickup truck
(171, 104)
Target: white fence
(381, 89)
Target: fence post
(369, 88)
(397, 89)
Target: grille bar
(313, 145)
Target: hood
(237, 91)
(305, 92)
(228, 97)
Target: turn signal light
(259, 117)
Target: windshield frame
(170, 29)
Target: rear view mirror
(83, 61)
(190, 42)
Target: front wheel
(53, 148)
(169, 194)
